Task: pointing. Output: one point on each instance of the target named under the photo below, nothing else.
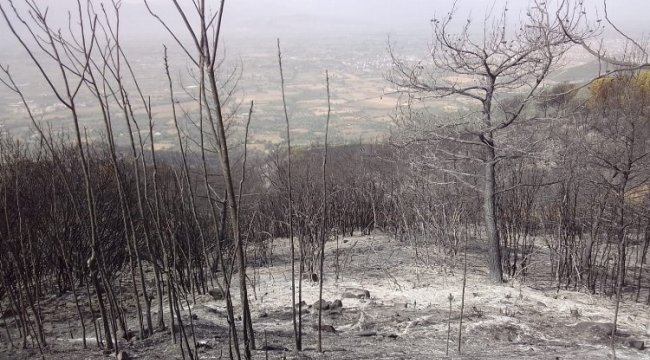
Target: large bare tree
(496, 76)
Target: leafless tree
(482, 72)
(297, 313)
(204, 37)
(73, 62)
(324, 228)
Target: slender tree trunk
(621, 253)
(323, 234)
(220, 135)
(297, 333)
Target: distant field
(360, 108)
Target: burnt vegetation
(551, 181)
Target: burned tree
(482, 74)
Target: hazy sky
(293, 18)
(282, 18)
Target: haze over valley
(353, 48)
